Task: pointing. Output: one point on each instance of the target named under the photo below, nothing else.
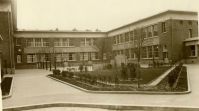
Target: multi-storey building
(166, 37)
(160, 37)
(71, 47)
(6, 37)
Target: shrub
(56, 72)
(81, 67)
(64, 73)
(70, 74)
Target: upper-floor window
(132, 35)
(38, 42)
(163, 26)
(190, 33)
(115, 39)
(71, 56)
(127, 37)
(155, 30)
(57, 42)
(30, 42)
(144, 32)
(46, 42)
(121, 38)
(149, 31)
(18, 42)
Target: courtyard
(32, 87)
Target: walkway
(33, 87)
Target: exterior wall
(166, 46)
(99, 47)
(170, 43)
(6, 44)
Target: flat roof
(156, 15)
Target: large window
(31, 58)
(38, 42)
(149, 30)
(155, 30)
(132, 35)
(192, 50)
(156, 50)
(115, 40)
(71, 57)
(121, 38)
(84, 56)
(57, 42)
(144, 52)
(30, 42)
(190, 33)
(59, 57)
(163, 26)
(127, 37)
(150, 53)
(18, 58)
(144, 32)
(46, 42)
(94, 56)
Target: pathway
(33, 87)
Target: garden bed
(110, 80)
(6, 86)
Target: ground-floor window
(150, 52)
(31, 58)
(144, 52)
(18, 58)
(192, 50)
(71, 57)
(94, 56)
(84, 56)
(156, 50)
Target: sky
(91, 14)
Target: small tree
(124, 71)
(81, 67)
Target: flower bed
(6, 85)
(112, 82)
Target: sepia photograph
(99, 55)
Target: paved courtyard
(33, 87)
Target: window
(57, 42)
(121, 38)
(149, 29)
(58, 57)
(131, 35)
(46, 42)
(181, 22)
(156, 51)
(84, 56)
(150, 53)
(190, 33)
(190, 22)
(127, 53)
(163, 26)
(104, 56)
(18, 42)
(94, 56)
(127, 37)
(192, 49)
(144, 32)
(18, 58)
(65, 42)
(31, 58)
(115, 39)
(144, 52)
(155, 30)
(71, 56)
(38, 42)
(30, 42)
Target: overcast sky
(91, 14)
